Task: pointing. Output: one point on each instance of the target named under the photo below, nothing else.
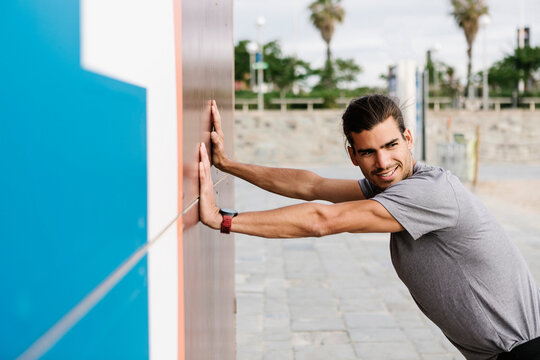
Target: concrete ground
(338, 297)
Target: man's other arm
(293, 183)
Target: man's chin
(383, 185)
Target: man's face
(383, 153)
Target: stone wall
(292, 138)
(302, 138)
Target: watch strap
(226, 224)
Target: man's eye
(365, 153)
(392, 144)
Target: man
(456, 260)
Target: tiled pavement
(338, 297)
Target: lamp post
(260, 23)
(252, 48)
(484, 21)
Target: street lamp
(260, 23)
(484, 21)
(252, 48)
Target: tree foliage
(324, 15)
(346, 71)
(283, 71)
(466, 14)
(505, 74)
(241, 61)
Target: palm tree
(466, 13)
(324, 14)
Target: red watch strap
(226, 224)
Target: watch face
(226, 211)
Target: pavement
(338, 297)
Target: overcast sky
(380, 33)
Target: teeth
(387, 173)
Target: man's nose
(383, 159)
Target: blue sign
(73, 190)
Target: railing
(245, 103)
(463, 103)
(497, 101)
(531, 101)
(437, 101)
(308, 101)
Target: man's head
(379, 143)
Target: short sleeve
(367, 189)
(423, 203)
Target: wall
(302, 138)
(100, 116)
(207, 58)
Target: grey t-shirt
(459, 265)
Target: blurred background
(366, 38)
(467, 76)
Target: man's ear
(407, 134)
(351, 155)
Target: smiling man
(459, 265)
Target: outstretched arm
(293, 183)
(303, 220)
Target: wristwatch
(228, 214)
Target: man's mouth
(387, 174)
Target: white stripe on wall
(133, 41)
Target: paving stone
(425, 347)
(278, 335)
(304, 283)
(251, 340)
(273, 345)
(419, 334)
(273, 320)
(438, 357)
(249, 323)
(369, 320)
(321, 324)
(319, 338)
(377, 335)
(367, 305)
(386, 351)
(325, 352)
(278, 354)
(275, 305)
(249, 304)
(245, 354)
(313, 311)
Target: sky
(380, 33)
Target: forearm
(294, 221)
(293, 183)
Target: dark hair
(366, 112)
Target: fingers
(216, 118)
(204, 156)
(215, 138)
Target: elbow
(321, 224)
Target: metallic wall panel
(207, 72)
(209, 289)
(207, 61)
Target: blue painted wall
(72, 187)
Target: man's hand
(208, 211)
(219, 157)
